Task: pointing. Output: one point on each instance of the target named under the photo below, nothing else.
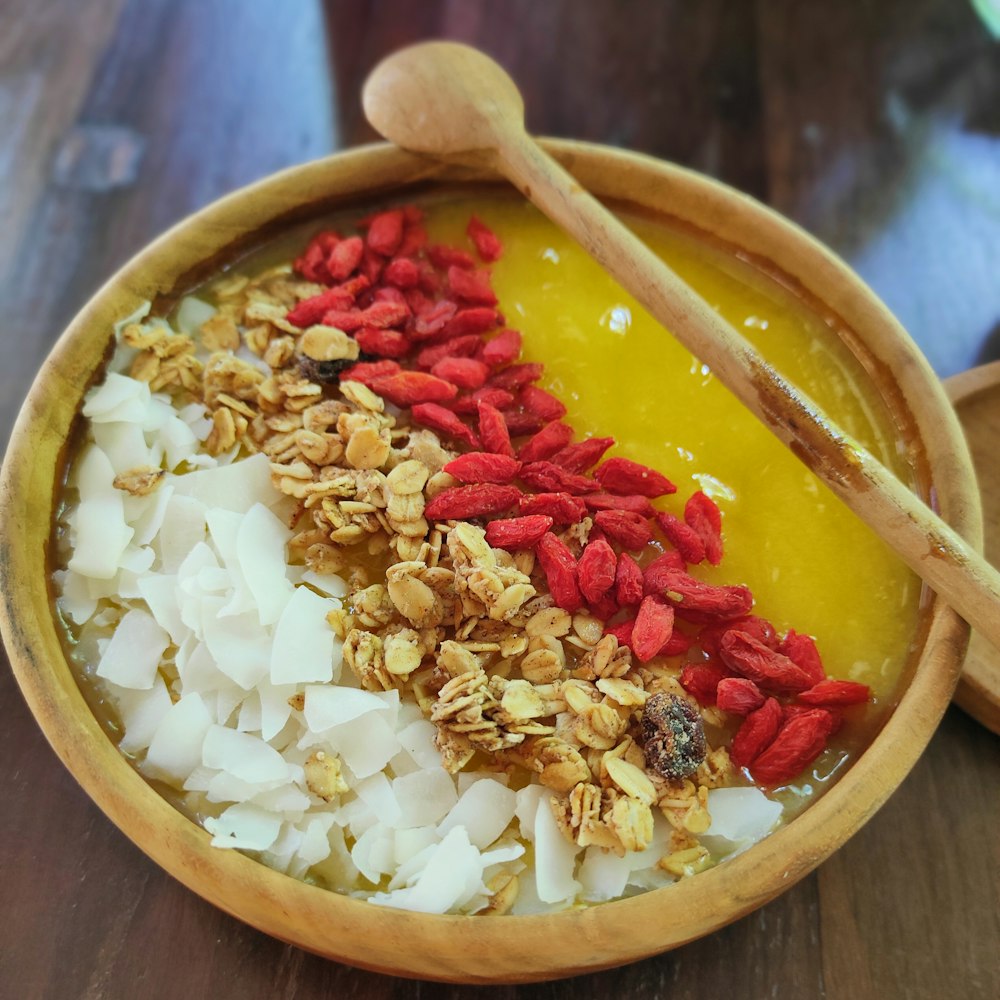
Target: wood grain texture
(975, 395)
(908, 908)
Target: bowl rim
(512, 948)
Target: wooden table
(874, 125)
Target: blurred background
(875, 124)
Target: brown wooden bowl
(453, 948)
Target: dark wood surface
(875, 125)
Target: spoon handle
(929, 546)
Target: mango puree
(811, 564)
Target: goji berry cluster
(434, 343)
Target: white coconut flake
(176, 747)
(305, 648)
(182, 529)
(148, 517)
(485, 810)
(141, 713)
(124, 444)
(603, 875)
(451, 876)
(366, 744)
(244, 826)
(327, 706)
(260, 549)
(240, 647)
(333, 586)
(236, 487)
(410, 842)
(133, 654)
(246, 757)
(119, 398)
(192, 312)
(740, 817)
(101, 534)
(425, 797)
(555, 859)
(159, 591)
(380, 796)
(417, 740)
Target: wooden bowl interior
(452, 948)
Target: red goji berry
(654, 625)
(387, 293)
(681, 536)
(738, 695)
(471, 286)
(478, 319)
(520, 423)
(628, 581)
(769, 669)
(433, 322)
(371, 265)
(312, 264)
(559, 567)
(630, 531)
(756, 733)
(798, 743)
(563, 508)
(623, 476)
(418, 302)
(802, 651)
(517, 532)
(466, 373)
(407, 388)
(836, 692)
(701, 603)
(516, 377)
(661, 571)
(483, 467)
(680, 642)
(609, 501)
(703, 515)
(541, 403)
(493, 430)
(457, 347)
(440, 419)
(605, 607)
(760, 628)
(548, 478)
(502, 349)
(385, 232)
(791, 709)
(458, 503)
(378, 314)
(443, 257)
(622, 632)
(701, 680)
(367, 372)
(310, 311)
(596, 571)
(582, 455)
(486, 242)
(469, 405)
(345, 257)
(414, 239)
(402, 272)
(546, 442)
(382, 343)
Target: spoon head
(442, 98)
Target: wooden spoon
(452, 102)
